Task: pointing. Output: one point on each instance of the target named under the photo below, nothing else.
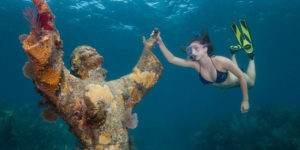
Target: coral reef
(6, 129)
(21, 127)
(274, 128)
(92, 107)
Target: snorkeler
(217, 70)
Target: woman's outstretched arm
(243, 83)
(173, 59)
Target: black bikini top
(221, 76)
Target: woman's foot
(251, 55)
(234, 49)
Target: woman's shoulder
(195, 65)
(222, 62)
(220, 59)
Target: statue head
(86, 63)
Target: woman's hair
(204, 39)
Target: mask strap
(204, 45)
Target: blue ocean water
(172, 111)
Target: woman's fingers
(155, 33)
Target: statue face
(84, 59)
(90, 58)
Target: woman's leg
(234, 81)
(249, 76)
(251, 73)
(233, 59)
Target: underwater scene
(149, 75)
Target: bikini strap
(213, 63)
(200, 67)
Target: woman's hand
(150, 43)
(245, 106)
(159, 40)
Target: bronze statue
(98, 112)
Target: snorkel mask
(189, 51)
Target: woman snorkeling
(216, 70)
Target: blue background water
(171, 111)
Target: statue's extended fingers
(41, 6)
(144, 40)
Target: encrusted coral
(105, 138)
(41, 5)
(27, 70)
(131, 120)
(144, 78)
(85, 58)
(49, 115)
(96, 93)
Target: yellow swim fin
(247, 42)
(243, 38)
(237, 33)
